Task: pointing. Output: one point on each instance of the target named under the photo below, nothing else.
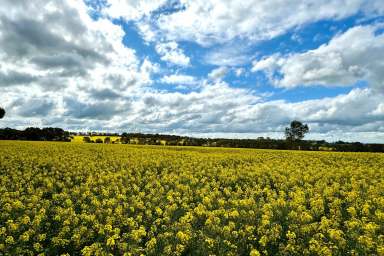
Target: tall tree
(2, 112)
(296, 131)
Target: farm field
(97, 199)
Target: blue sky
(201, 68)
(296, 40)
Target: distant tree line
(259, 143)
(37, 134)
(58, 134)
(294, 135)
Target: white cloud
(179, 79)
(379, 111)
(132, 9)
(217, 109)
(217, 21)
(231, 55)
(338, 110)
(348, 58)
(218, 73)
(146, 30)
(54, 50)
(268, 64)
(170, 52)
(58, 67)
(239, 71)
(58, 45)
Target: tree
(107, 140)
(2, 112)
(296, 131)
(87, 139)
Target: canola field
(95, 199)
(80, 138)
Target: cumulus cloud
(105, 110)
(239, 71)
(59, 67)
(170, 52)
(55, 50)
(218, 108)
(204, 109)
(217, 21)
(231, 55)
(218, 73)
(9, 78)
(337, 110)
(379, 111)
(34, 107)
(132, 10)
(104, 94)
(29, 42)
(179, 79)
(356, 55)
(59, 40)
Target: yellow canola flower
(91, 199)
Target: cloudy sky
(205, 68)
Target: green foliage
(86, 139)
(88, 199)
(296, 131)
(2, 112)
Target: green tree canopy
(296, 131)
(2, 112)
